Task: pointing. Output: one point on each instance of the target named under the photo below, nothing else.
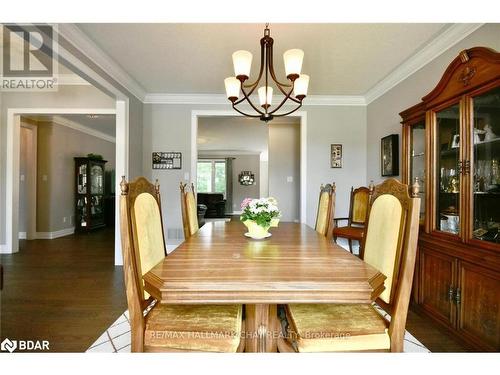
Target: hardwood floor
(65, 290)
(68, 291)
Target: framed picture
(167, 160)
(389, 155)
(336, 156)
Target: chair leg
(284, 346)
(350, 245)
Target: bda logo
(8, 345)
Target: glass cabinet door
(96, 179)
(417, 162)
(448, 175)
(81, 179)
(485, 173)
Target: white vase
(256, 231)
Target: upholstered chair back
(143, 245)
(189, 210)
(390, 246)
(360, 198)
(326, 209)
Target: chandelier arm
(245, 96)
(243, 113)
(253, 85)
(287, 113)
(273, 74)
(287, 96)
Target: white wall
(167, 127)
(383, 114)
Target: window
(211, 176)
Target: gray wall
(284, 162)
(167, 127)
(65, 97)
(382, 114)
(57, 146)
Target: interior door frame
(195, 114)
(31, 183)
(13, 150)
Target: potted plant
(259, 215)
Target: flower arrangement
(264, 211)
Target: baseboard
(22, 235)
(3, 249)
(56, 234)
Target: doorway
(289, 187)
(51, 203)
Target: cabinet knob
(451, 294)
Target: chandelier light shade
(301, 84)
(242, 62)
(232, 87)
(293, 62)
(265, 96)
(238, 90)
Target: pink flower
(245, 202)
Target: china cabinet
(89, 194)
(451, 146)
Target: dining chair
(159, 327)
(189, 210)
(326, 209)
(358, 210)
(390, 246)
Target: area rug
(116, 339)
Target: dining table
(220, 265)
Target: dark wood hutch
(89, 194)
(451, 144)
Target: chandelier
(294, 90)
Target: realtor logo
(28, 58)
(8, 345)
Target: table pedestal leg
(261, 324)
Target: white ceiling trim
(434, 48)
(221, 99)
(87, 46)
(441, 43)
(82, 128)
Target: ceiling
(341, 59)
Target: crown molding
(82, 42)
(220, 99)
(434, 48)
(82, 128)
(442, 42)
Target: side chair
(159, 327)
(390, 245)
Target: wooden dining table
(220, 265)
